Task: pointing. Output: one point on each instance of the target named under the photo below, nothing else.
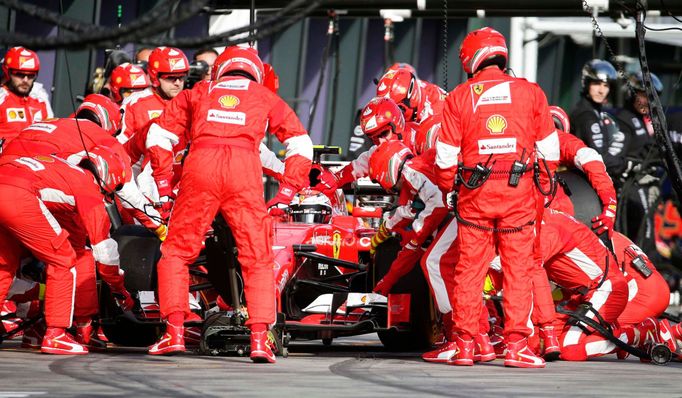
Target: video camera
(197, 71)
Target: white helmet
(311, 207)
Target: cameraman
(200, 68)
(208, 55)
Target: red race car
(324, 277)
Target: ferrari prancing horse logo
(478, 89)
(336, 244)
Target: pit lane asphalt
(351, 367)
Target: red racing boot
(172, 341)
(552, 350)
(87, 336)
(58, 342)
(442, 354)
(261, 350)
(33, 336)
(667, 337)
(464, 355)
(640, 335)
(520, 356)
(483, 351)
(498, 343)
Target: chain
(612, 54)
(445, 45)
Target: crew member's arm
(164, 133)
(90, 209)
(271, 165)
(286, 126)
(448, 145)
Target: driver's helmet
(311, 207)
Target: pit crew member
(492, 126)
(95, 123)
(18, 109)
(225, 120)
(29, 186)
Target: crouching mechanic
(421, 213)
(394, 167)
(95, 123)
(41, 198)
(223, 173)
(575, 259)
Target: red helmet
(386, 163)
(403, 88)
(403, 65)
(20, 59)
(127, 76)
(426, 138)
(108, 114)
(235, 58)
(560, 118)
(379, 115)
(108, 166)
(166, 60)
(270, 78)
(481, 45)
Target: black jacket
(600, 131)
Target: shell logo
(119, 80)
(228, 101)
(44, 158)
(496, 124)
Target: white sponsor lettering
(595, 128)
(226, 117)
(497, 145)
(499, 94)
(45, 127)
(242, 84)
(31, 163)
